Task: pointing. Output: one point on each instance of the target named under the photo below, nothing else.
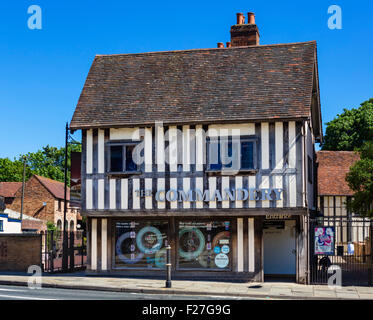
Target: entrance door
(279, 247)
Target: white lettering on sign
(193, 195)
(278, 216)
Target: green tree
(12, 170)
(360, 180)
(351, 129)
(48, 162)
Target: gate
(351, 249)
(52, 250)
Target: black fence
(52, 251)
(345, 242)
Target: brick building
(8, 191)
(334, 194)
(44, 200)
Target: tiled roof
(56, 188)
(332, 170)
(8, 189)
(196, 86)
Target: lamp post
(64, 253)
(168, 266)
(23, 187)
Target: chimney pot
(228, 44)
(244, 34)
(240, 18)
(220, 45)
(250, 18)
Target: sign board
(193, 195)
(75, 180)
(324, 240)
(278, 216)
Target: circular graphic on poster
(191, 243)
(204, 259)
(220, 236)
(217, 249)
(221, 260)
(160, 258)
(149, 240)
(225, 249)
(126, 246)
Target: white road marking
(16, 290)
(24, 297)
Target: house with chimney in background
(333, 198)
(210, 151)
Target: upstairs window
(235, 154)
(121, 158)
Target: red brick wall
(19, 251)
(35, 195)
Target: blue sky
(43, 71)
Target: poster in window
(200, 245)
(324, 240)
(75, 180)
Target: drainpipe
(305, 222)
(307, 219)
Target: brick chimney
(245, 34)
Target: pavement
(24, 293)
(272, 290)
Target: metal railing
(52, 250)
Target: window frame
(123, 144)
(1, 225)
(204, 220)
(119, 267)
(244, 138)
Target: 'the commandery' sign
(193, 195)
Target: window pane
(130, 164)
(141, 244)
(247, 155)
(116, 160)
(214, 155)
(227, 157)
(204, 245)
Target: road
(24, 293)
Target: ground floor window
(204, 244)
(141, 244)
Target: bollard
(168, 267)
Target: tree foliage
(351, 129)
(12, 170)
(360, 180)
(48, 162)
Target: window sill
(123, 174)
(232, 172)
